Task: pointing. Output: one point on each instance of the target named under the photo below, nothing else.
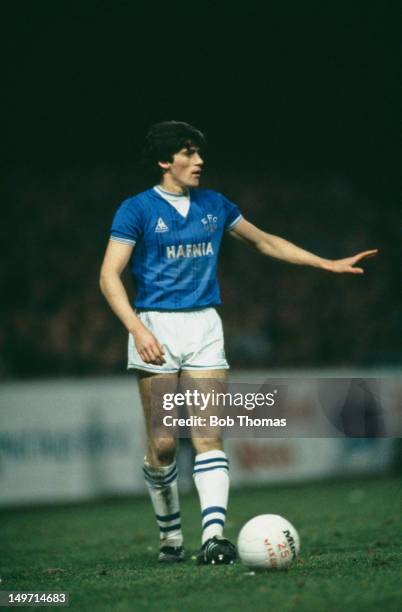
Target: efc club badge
(210, 223)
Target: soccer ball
(268, 541)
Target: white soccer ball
(268, 541)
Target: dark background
(299, 102)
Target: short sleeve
(127, 223)
(232, 213)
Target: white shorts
(192, 340)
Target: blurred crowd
(56, 323)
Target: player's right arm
(116, 259)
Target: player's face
(185, 170)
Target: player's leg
(160, 470)
(211, 472)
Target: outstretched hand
(347, 265)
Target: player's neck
(169, 185)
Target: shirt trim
(162, 191)
(122, 240)
(229, 227)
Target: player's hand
(347, 265)
(148, 347)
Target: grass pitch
(104, 553)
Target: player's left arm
(279, 248)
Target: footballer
(171, 235)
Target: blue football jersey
(175, 258)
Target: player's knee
(164, 450)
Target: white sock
(211, 477)
(162, 487)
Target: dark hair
(165, 139)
